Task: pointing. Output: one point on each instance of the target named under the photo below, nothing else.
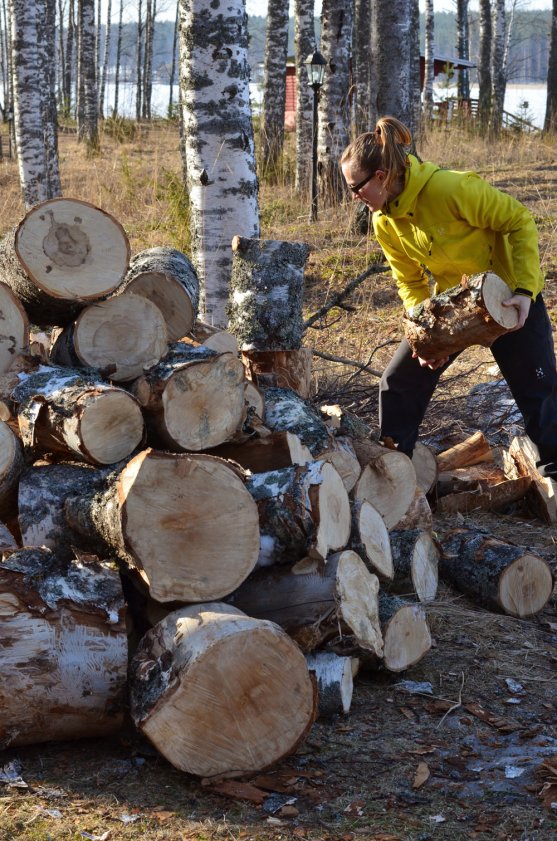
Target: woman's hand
(431, 363)
(521, 303)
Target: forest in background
(529, 49)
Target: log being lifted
(333, 603)
(63, 254)
(219, 693)
(497, 573)
(415, 559)
(388, 480)
(193, 398)
(11, 466)
(370, 539)
(267, 293)
(14, 332)
(406, 635)
(334, 682)
(64, 649)
(75, 413)
(302, 511)
(286, 411)
(168, 279)
(471, 313)
(123, 335)
(186, 522)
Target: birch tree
(396, 30)
(118, 58)
(498, 81)
(37, 159)
(150, 15)
(87, 118)
(106, 56)
(173, 65)
(218, 142)
(463, 47)
(550, 122)
(274, 87)
(484, 64)
(304, 45)
(334, 107)
(429, 59)
(139, 61)
(362, 66)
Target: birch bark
(463, 48)
(218, 142)
(550, 122)
(484, 64)
(106, 54)
(498, 81)
(87, 125)
(118, 58)
(429, 59)
(304, 44)
(362, 63)
(274, 94)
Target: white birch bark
(47, 51)
(106, 54)
(87, 127)
(396, 30)
(429, 59)
(218, 142)
(334, 108)
(550, 122)
(484, 64)
(362, 66)
(31, 89)
(304, 45)
(463, 48)
(274, 92)
(498, 82)
(118, 58)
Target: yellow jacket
(452, 223)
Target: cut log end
(525, 586)
(406, 638)
(169, 296)
(14, 335)
(111, 427)
(333, 507)
(425, 561)
(372, 540)
(358, 593)
(388, 481)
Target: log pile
(261, 548)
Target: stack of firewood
(155, 503)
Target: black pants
(526, 359)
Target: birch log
(72, 412)
(335, 683)
(406, 635)
(168, 279)
(220, 693)
(541, 493)
(333, 604)
(267, 294)
(63, 254)
(302, 511)
(469, 314)
(193, 399)
(497, 573)
(14, 330)
(473, 450)
(370, 539)
(425, 465)
(64, 649)
(415, 560)
(286, 411)
(186, 522)
(271, 452)
(123, 335)
(11, 466)
(341, 454)
(388, 480)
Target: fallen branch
(340, 296)
(343, 361)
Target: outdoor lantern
(315, 65)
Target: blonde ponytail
(386, 149)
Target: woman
(440, 224)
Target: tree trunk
(65, 650)
(186, 522)
(334, 108)
(218, 149)
(334, 604)
(334, 682)
(406, 635)
(286, 411)
(46, 31)
(71, 412)
(267, 293)
(415, 559)
(304, 43)
(469, 314)
(302, 511)
(463, 47)
(550, 122)
(220, 693)
(497, 573)
(193, 398)
(370, 539)
(429, 57)
(288, 369)
(150, 15)
(139, 60)
(14, 338)
(118, 59)
(387, 481)
(87, 126)
(173, 65)
(167, 277)
(484, 65)
(63, 253)
(106, 57)
(274, 91)
(11, 467)
(498, 79)
(122, 336)
(363, 61)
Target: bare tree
(139, 61)
(218, 142)
(274, 87)
(118, 58)
(550, 122)
(498, 80)
(463, 47)
(484, 64)
(304, 43)
(362, 67)
(150, 15)
(87, 118)
(334, 104)
(173, 64)
(429, 59)
(106, 56)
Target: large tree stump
(11, 466)
(497, 573)
(302, 511)
(468, 314)
(267, 293)
(64, 649)
(219, 693)
(280, 368)
(14, 332)
(193, 399)
(415, 560)
(286, 411)
(388, 480)
(72, 412)
(63, 254)
(186, 522)
(123, 336)
(168, 279)
(370, 539)
(406, 636)
(333, 604)
(334, 681)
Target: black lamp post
(315, 65)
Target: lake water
(516, 96)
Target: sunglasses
(355, 188)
